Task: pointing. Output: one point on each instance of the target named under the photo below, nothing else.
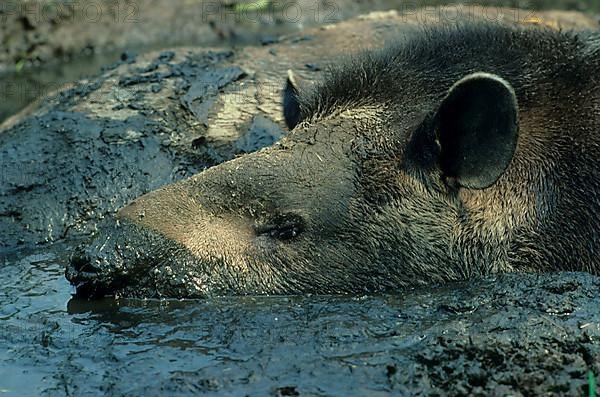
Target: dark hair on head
(439, 55)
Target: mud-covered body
(375, 188)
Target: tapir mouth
(90, 280)
(101, 268)
(127, 260)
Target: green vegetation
(592, 384)
(19, 65)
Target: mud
(41, 32)
(38, 32)
(77, 156)
(70, 161)
(520, 335)
(46, 44)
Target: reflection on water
(54, 345)
(51, 343)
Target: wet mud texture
(45, 31)
(519, 335)
(72, 160)
(45, 44)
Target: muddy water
(487, 337)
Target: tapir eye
(282, 227)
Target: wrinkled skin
(366, 193)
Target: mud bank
(69, 162)
(78, 155)
(38, 32)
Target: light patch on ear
(484, 75)
(291, 106)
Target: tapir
(463, 151)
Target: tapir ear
(291, 106)
(477, 130)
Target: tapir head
(364, 193)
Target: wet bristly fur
(360, 178)
(526, 57)
(553, 181)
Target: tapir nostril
(82, 262)
(128, 260)
(81, 268)
(79, 261)
(85, 274)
